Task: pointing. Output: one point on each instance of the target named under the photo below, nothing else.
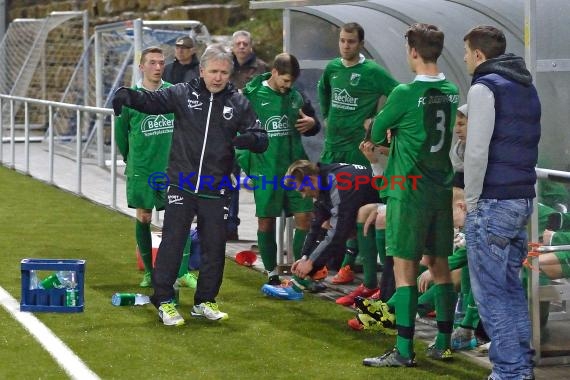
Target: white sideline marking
(71, 363)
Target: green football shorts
(348, 157)
(414, 229)
(141, 195)
(271, 202)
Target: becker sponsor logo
(156, 124)
(342, 99)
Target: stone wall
(217, 17)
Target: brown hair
(148, 50)
(488, 39)
(427, 39)
(286, 63)
(352, 27)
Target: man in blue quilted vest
(501, 153)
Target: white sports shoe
(169, 315)
(208, 310)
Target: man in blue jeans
(501, 153)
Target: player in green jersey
(349, 92)
(279, 108)
(420, 116)
(144, 141)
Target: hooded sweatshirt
(503, 132)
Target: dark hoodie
(513, 150)
(177, 72)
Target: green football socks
(367, 249)
(445, 300)
(298, 241)
(267, 249)
(406, 301)
(144, 242)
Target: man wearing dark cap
(186, 65)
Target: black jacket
(205, 125)
(176, 72)
(339, 200)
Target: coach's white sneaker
(169, 315)
(208, 310)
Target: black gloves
(245, 141)
(122, 97)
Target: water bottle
(59, 280)
(459, 312)
(128, 299)
(34, 281)
(69, 281)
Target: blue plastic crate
(51, 300)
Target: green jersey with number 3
(421, 116)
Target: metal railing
(94, 113)
(557, 291)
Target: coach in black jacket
(211, 118)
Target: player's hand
(244, 141)
(370, 221)
(547, 237)
(459, 240)
(424, 280)
(122, 97)
(368, 150)
(302, 267)
(304, 123)
(326, 224)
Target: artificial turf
(263, 339)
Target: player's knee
(144, 217)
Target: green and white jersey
(348, 96)
(144, 140)
(278, 114)
(421, 116)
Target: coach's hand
(122, 97)
(245, 141)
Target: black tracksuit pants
(181, 207)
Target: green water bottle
(71, 297)
(128, 299)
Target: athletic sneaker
(308, 285)
(208, 310)
(188, 280)
(345, 275)
(360, 291)
(391, 358)
(274, 280)
(375, 296)
(169, 315)
(437, 354)
(463, 339)
(366, 322)
(320, 274)
(484, 348)
(285, 291)
(147, 280)
(376, 309)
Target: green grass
(263, 339)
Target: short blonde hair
(299, 170)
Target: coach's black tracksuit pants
(181, 207)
